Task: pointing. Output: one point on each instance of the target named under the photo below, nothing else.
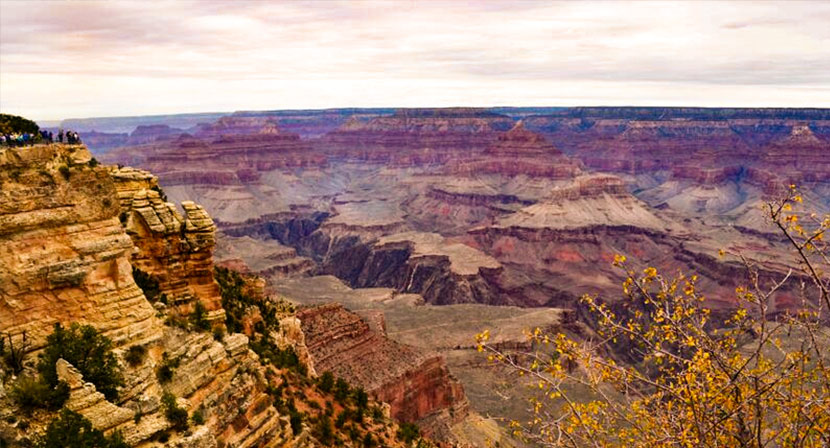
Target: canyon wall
(415, 383)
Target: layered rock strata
(64, 256)
(415, 383)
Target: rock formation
(416, 384)
(176, 250)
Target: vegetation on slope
(83, 347)
(71, 429)
(336, 413)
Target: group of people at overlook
(41, 136)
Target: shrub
(13, 354)
(296, 420)
(135, 355)
(368, 440)
(15, 124)
(323, 431)
(377, 413)
(88, 351)
(759, 378)
(71, 429)
(341, 419)
(280, 358)
(32, 393)
(361, 398)
(408, 433)
(197, 417)
(326, 381)
(165, 370)
(161, 193)
(237, 301)
(219, 334)
(199, 317)
(353, 434)
(341, 390)
(93, 162)
(65, 172)
(174, 414)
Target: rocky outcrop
(175, 250)
(415, 383)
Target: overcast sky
(103, 58)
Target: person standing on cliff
(60, 136)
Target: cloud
(60, 59)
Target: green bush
(71, 429)
(326, 381)
(161, 193)
(296, 420)
(173, 413)
(237, 302)
(341, 390)
(361, 398)
(341, 419)
(408, 432)
(135, 355)
(14, 124)
(199, 317)
(88, 351)
(323, 431)
(33, 393)
(93, 162)
(165, 371)
(197, 417)
(377, 413)
(281, 358)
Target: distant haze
(75, 59)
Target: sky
(67, 59)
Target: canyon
(401, 233)
(101, 246)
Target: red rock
(415, 383)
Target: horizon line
(323, 109)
